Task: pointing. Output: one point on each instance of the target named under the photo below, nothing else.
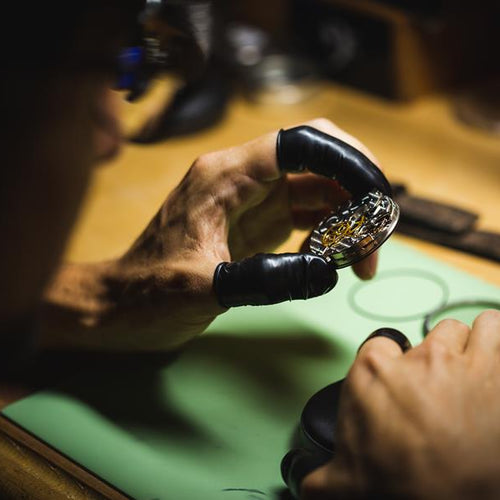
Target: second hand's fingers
(451, 334)
(384, 343)
(377, 352)
(484, 338)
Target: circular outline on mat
(404, 271)
(488, 303)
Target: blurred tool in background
(185, 31)
(277, 51)
(399, 49)
(214, 50)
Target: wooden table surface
(420, 144)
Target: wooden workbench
(420, 144)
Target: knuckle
(452, 327)
(369, 360)
(435, 350)
(373, 361)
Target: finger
(305, 219)
(484, 337)
(311, 192)
(328, 127)
(258, 157)
(374, 359)
(269, 279)
(451, 334)
(366, 268)
(306, 147)
(385, 342)
(263, 227)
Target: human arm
(230, 205)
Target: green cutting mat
(215, 423)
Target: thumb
(272, 278)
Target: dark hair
(44, 34)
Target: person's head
(58, 123)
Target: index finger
(259, 156)
(380, 348)
(390, 341)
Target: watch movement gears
(355, 230)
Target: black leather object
(272, 278)
(315, 442)
(305, 147)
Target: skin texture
(231, 204)
(424, 424)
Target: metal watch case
(355, 230)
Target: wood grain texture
(32, 470)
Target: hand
(231, 205)
(424, 424)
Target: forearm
(117, 305)
(77, 306)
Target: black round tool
(315, 441)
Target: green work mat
(214, 423)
